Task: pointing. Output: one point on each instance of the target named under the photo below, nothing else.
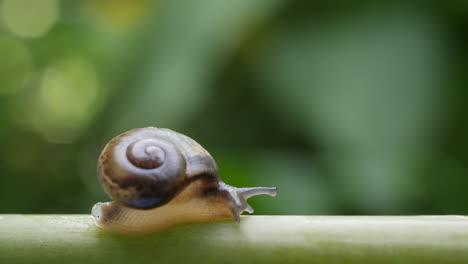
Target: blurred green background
(348, 107)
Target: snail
(159, 178)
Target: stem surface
(257, 239)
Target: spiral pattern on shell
(142, 168)
(146, 154)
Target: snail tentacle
(239, 197)
(249, 209)
(252, 191)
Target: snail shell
(159, 178)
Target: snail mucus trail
(159, 178)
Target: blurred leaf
(368, 86)
(191, 41)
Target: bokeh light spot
(120, 14)
(30, 18)
(15, 64)
(68, 94)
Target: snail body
(159, 178)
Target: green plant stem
(259, 239)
